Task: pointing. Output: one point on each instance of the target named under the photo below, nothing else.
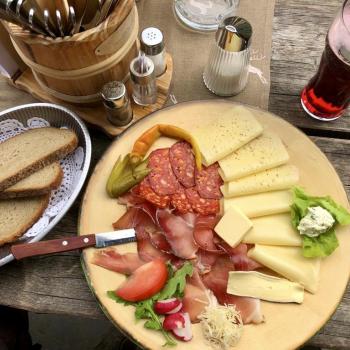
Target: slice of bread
(18, 215)
(26, 153)
(39, 183)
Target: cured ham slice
(205, 261)
(196, 296)
(110, 259)
(159, 241)
(204, 234)
(146, 250)
(131, 198)
(216, 281)
(238, 256)
(178, 233)
(190, 218)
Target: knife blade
(98, 240)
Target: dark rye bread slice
(18, 215)
(26, 153)
(41, 182)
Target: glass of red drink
(327, 94)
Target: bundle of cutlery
(56, 18)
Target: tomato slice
(145, 282)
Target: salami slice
(180, 202)
(146, 192)
(204, 206)
(208, 182)
(182, 163)
(162, 178)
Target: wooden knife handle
(21, 251)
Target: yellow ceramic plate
(287, 326)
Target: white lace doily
(71, 165)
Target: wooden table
(56, 284)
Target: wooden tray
(95, 115)
(287, 326)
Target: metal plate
(57, 116)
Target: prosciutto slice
(205, 261)
(110, 259)
(216, 281)
(238, 256)
(196, 296)
(204, 233)
(178, 233)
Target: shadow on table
(20, 330)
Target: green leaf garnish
(327, 242)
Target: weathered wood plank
(56, 284)
(299, 32)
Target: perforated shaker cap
(152, 41)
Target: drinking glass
(327, 95)
(204, 15)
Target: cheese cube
(280, 178)
(289, 262)
(260, 204)
(265, 152)
(254, 284)
(233, 129)
(273, 230)
(233, 226)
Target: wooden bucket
(75, 68)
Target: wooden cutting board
(95, 114)
(287, 326)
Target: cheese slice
(273, 230)
(233, 226)
(264, 152)
(259, 285)
(260, 204)
(280, 178)
(290, 263)
(233, 129)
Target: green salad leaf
(174, 287)
(327, 242)
(320, 246)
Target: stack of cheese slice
(257, 174)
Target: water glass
(204, 15)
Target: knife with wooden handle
(99, 240)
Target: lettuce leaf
(327, 242)
(320, 246)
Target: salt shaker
(152, 44)
(143, 80)
(117, 104)
(227, 69)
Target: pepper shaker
(117, 103)
(152, 44)
(227, 69)
(143, 80)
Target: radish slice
(168, 306)
(174, 321)
(185, 333)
